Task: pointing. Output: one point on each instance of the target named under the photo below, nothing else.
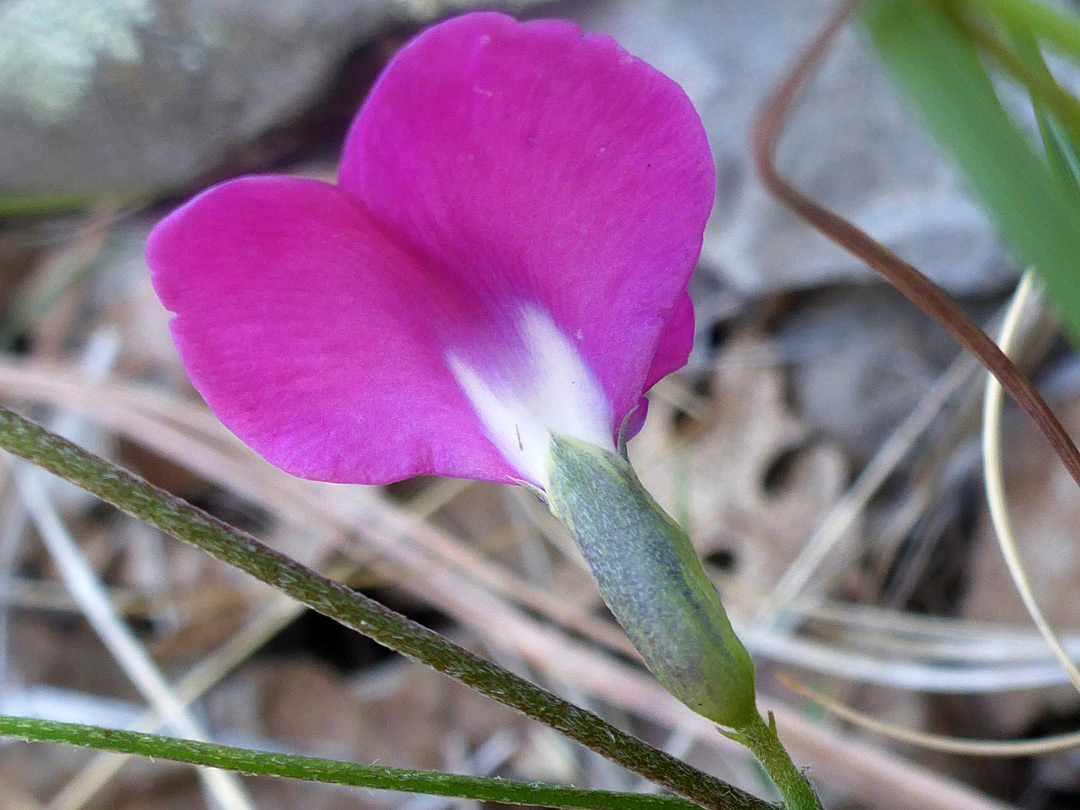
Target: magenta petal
(519, 212)
(675, 344)
(542, 167)
(671, 355)
(309, 333)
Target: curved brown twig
(920, 290)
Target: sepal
(651, 579)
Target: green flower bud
(652, 580)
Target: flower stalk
(761, 739)
(652, 580)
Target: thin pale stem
(939, 742)
(91, 596)
(996, 496)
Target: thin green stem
(28, 206)
(133, 495)
(329, 771)
(760, 737)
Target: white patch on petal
(548, 390)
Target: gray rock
(128, 96)
(852, 145)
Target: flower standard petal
(544, 169)
(504, 268)
(313, 335)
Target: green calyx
(653, 582)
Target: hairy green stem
(760, 737)
(131, 494)
(329, 771)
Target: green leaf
(329, 771)
(1040, 83)
(1057, 26)
(1062, 148)
(173, 516)
(930, 57)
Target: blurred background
(821, 447)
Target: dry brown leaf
(746, 478)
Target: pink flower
(505, 255)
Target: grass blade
(329, 771)
(930, 57)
